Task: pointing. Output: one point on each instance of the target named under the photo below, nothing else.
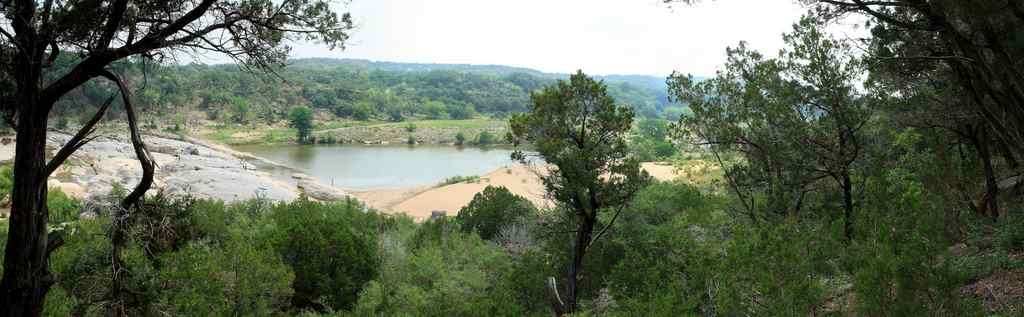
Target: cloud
(598, 36)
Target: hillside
(360, 90)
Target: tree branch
(78, 140)
(145, 160)
(113, 23)
(609, 225)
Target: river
(362, 167)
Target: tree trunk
(27, 278)
(991, 186)
(586, 228)
(847, 185)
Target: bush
(460, 138)
(492, 209)
(455, 275)
(1011, 233)
(485, 138)
(332, 248)
(460, 112)
(410, 127)
(411, 140)
(234, 280)
(459, 179)
(6, 181)
(62, 208)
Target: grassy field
(239, 134)
(464, 124)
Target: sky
(598, 36)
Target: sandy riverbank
(419, 202)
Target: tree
(492, 209)
(969, 44)
(460, 112)
(435, 109)
(331, 249)
(484, 138)
(301, 119)
(460, 138)
(33, 34)
(576, 127)
(794, 120)
(240, 109)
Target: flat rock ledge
(184, 166)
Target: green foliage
(454, 275)
(492, 209)
(6, 181)
(794, 120)
(435, 110)
(433, 231)
(331, 248)
(580, 160)
(240, 110)
(459, 179)
(411, 140)
(576, 127)
(675, 113)
(236, 279)
(1010, 233)
(460, 112)
(62, 208)
(301, 119)
(411, 127)
(485, 138)
(894, 266)
(460, 138)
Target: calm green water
(383, 166)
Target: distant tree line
(228, 93)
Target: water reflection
(384, 166)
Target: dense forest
(846, 177)
(348, 89)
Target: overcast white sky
(598, 36)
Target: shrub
(410, 127)
(6, 181)
(456, 275)
(411, 140)
(62, 208)
(485, 138)
(460, 112)
(492, 209)
(234, 280)
(433, 231)
(331, 248)
(460, 138)
(1011, 233)
(459, 179)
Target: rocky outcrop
(319, 191)
(182, 168)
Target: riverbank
(208, 169)
(422, 201)
(442, 132)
